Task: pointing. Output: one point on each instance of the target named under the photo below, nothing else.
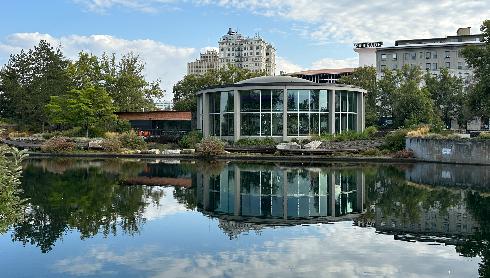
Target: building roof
(430, 45)
(155, 115)
(324, 71)
(274, 80)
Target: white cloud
(101, 6)
(282, 64)
(333, 250)
(327, 21)
(165, 62)
(330, 63)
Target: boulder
(151, 151)
(172, 151)
(288, 146)
(313, 145)
(95, 144)
(188, 151)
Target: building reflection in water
(281, 195)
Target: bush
(395, 140)
(131, 140)
(58, 145)
(484, 136)
(419, 131)
(371, 131)
(248, 142)
(404, 154)
(210, 147)
(112, 144)
(190, 140)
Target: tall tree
(28, 80)
(89, 108)
(185, 90)
(448, 95)
(365, 78)
(479, 59)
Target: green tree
(185, 90)
(28, 81)
(448, 95)
(387, 85)
(88, 108)
(125, 82)
(478, 58)
(85, 72)
(365, 78)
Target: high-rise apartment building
(207, 61)
(252, 53)
(429, 54)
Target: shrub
(18, 134)
(111, 144)
(58, 145)
(484, 136)
(371, 131)
(131, 140)
(395, 140)
(419, 131)
(248, 142)
(371, 152)
(190, 140)
(210, 147)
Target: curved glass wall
(261, 112)
(345, 111)
(221, 117)
(307, 112)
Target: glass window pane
(314, 100)
(314, 123)
(266, 100)
(250, 101)
(293, 124)
(343, 122)
(277, 100)
(344, 101)
(227, 101)
(337, 122)
(266, 124)
(324, 124)
(323, 101)
(214, 125)
(214, 100)
(354, 102)
(250, 124)
(304, 124)
(303, 100)
(352, 122)
(277, 124)
(227, 125)
(337, 101)
(292, 100)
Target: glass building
(280, 107)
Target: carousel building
(280, 107)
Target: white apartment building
(207, 61)
(252, 53)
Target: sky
(169, 33)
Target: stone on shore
(288, 146)
(313, 145)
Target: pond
(155, 218)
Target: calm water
(127, 218)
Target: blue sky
(169, 33)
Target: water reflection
(118, 198)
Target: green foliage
(28, 81)
(484, 136)
(185, 90)
(210, 147)
(12, 206)
(365, 78)
(58, 145)
(190, 139)
(262, 142)
(478, 58)
(371, 131)
(350, 135)
(112, 144)
(395, 140)
(131, 140)
(88, 108)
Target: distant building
(170, 125)
(322, 75)
(430, 54)
(207, 61)
(253, 54)
(165, 106)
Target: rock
(288, 146)
(172, 151)
(95, 144)
(313, 145)
(188, 151)
(151, 151)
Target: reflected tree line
(92, 198)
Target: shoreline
(252, 158)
